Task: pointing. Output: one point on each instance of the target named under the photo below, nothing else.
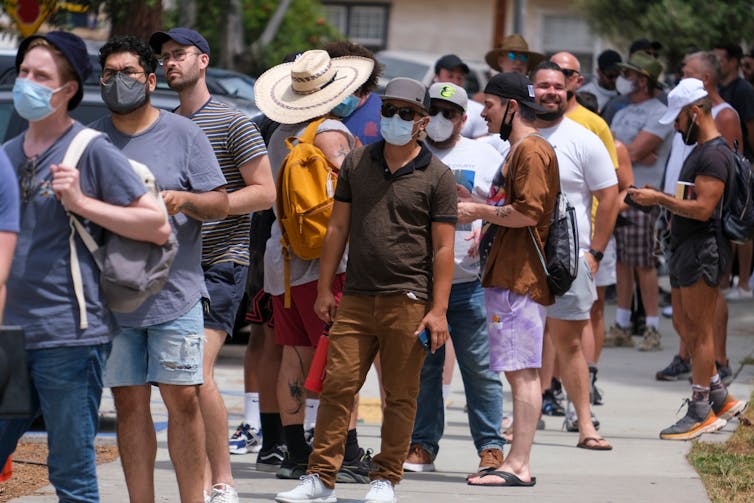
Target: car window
(231, 86)
(6, 112)
(402, 68)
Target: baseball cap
(608, 60)
(409, 90)
(447, 91)
(450, 62)
(644, 44)
(183, 36)
(513, 85)
(73, 49)
(687, 92)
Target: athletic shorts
(576, 303)
(636, 240)
(606, 273)
(226, 283)
(516, 325)
(259, 311)
(299, 325)
(168, 353)
(696, 259)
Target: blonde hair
(64, 66)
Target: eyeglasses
(448, 113)
(569, 72)
(108, 75)
(518, 55)
(28, 180)
(405, 113)
(178, 55)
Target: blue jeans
(67, 386)
(484, 390)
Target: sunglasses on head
(518, 55)
(448, 113)
(568, 72)
(389, 110)
(27, 182)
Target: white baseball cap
(687, 91)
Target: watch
(596, 254)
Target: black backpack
(738, 212)
(561, 254)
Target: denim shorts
(168, 353)
(516, 326)
(226, 283)
(576, 303)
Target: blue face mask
(346, 107)
(395, 130)
(32, 100)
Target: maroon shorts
(299, 325)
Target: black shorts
(698, 258)
(259, 310)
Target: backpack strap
(72, 156)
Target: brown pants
(363, 326)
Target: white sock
(623, 317)
(312, 405)
(653, 321)
(251, 410)
(445, 392)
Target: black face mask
(506, 128)
(570, 94)
(691, 135)
(550, 116)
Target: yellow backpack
(305, 189)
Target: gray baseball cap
(409, 90)
(447, 91)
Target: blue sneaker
(246, 439)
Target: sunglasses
(568, 72)
(389, 110)
(28, 180)
(448, 113)
(518, 55)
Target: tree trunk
(135, 17)
(233, 39)
(186, 13)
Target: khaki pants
(363, 326)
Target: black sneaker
(291, 468)
(595, 395)
(550, 405)
(557, 389)
(725, 373)
(270, 460)
(677, 369)
(356, 470)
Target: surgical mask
(346, 107)
(691, 135)
(623, 85)
(506, 128)
(123, 94)
(32, 100)
(395, 130)
(439, 128)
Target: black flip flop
(511, 480)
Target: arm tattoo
(503, 211)
(191, 210)
(342, 151)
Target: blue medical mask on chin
(396, 131)
(32, 100)
(346, 107)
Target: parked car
(421, 66)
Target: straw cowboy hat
(309, 87)
(513, 43)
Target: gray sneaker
(651, 341)
(571, 421)
(699, 418)
(618, 337)
(677, 369)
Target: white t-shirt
(679, 151)
(475, 125)
(644, 116)
(603, 95)
(584, 166)
(474, 164)
(502, 146)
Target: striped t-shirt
(235, 140)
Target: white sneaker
(207, 497)
(380, 491)
(738, 294)
(223, 493)
(309, 490)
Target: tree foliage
(676, 24)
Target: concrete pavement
(641, 467)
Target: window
(363, 23)
(570, 32)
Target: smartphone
(634, 204)
(425, 339)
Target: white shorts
(606, 273)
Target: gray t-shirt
(41, 299)
(181, 158)
(302, 271)
(645, 116)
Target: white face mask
(439, 128)
(623, 85)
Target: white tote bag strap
(72, 156)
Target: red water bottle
(318, 368)
(7, 471)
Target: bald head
(571, 69)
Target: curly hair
(340, 48)
(129, 43)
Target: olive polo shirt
(390, 248)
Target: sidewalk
(641, 467)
